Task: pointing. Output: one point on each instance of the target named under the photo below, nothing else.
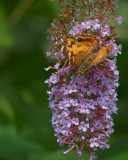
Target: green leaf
(33, 120)
(6, 109)
(5, 35)
(11, 144)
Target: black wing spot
(80, 39)
(89, 40)
(72, 42)
(89, 59)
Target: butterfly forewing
(79, 47)
(71, 50)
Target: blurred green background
(26, 132)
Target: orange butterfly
(83, 51)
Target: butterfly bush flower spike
(82, 87)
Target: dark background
(26, 132)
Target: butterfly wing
(78, 48)
(85, 46)
(71, 51)
(95, 58)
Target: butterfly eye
(90, 40)
(80, 39)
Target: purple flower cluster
(82, 105)
(94, 26)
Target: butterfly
(84, 51)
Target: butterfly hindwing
(95, 58)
